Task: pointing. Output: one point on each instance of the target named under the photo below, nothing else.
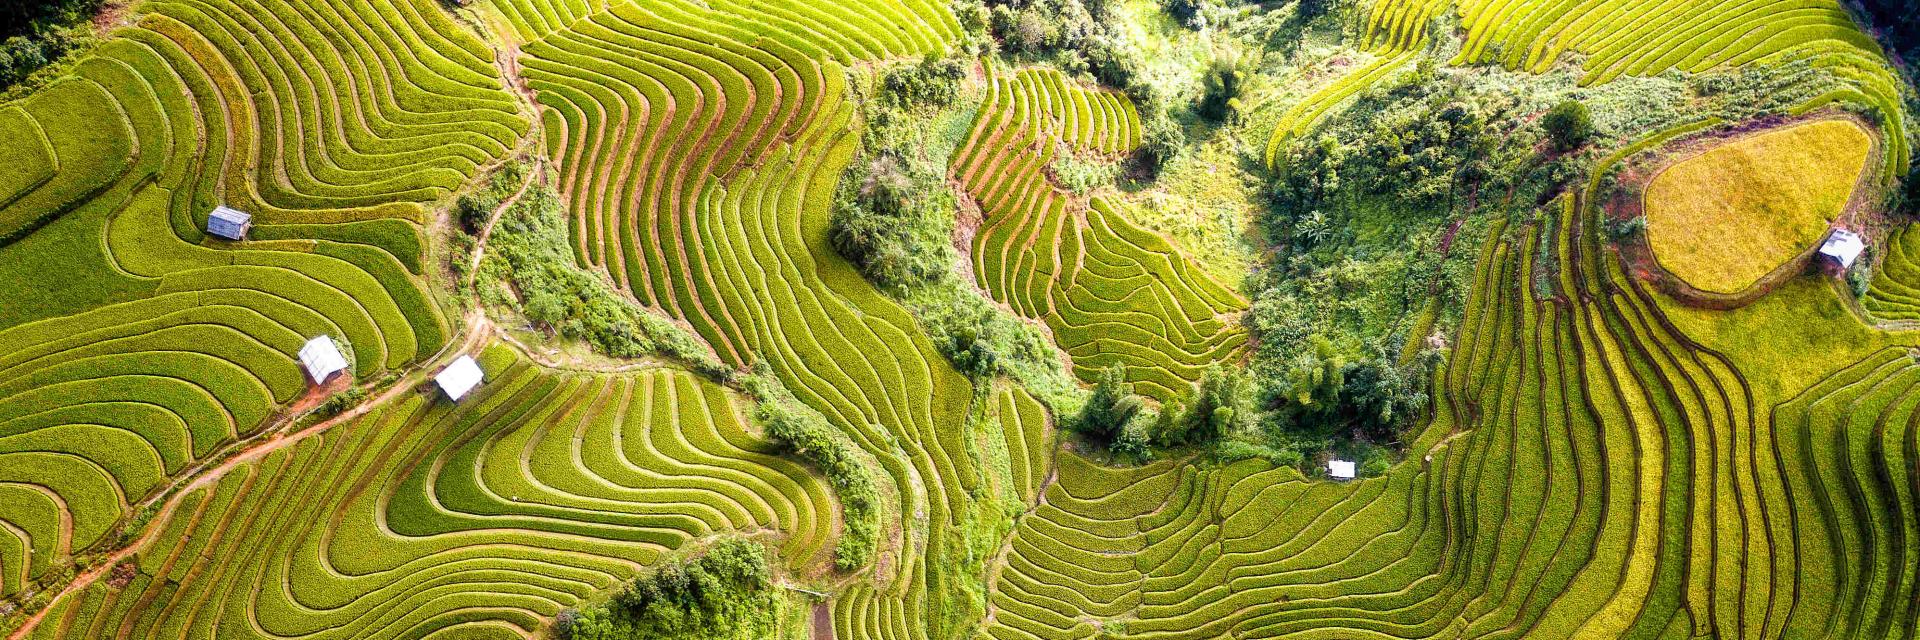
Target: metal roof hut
(1842, 247)
(230, 223)
(321, 358)
(459, 378)
(1340, 469)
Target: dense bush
(1221, 86)
(935, 82)
(1218, 407)
(529, 267)
(979, 340)
(340, 402)
(892, 212)
(1105, 416)
(1568, 125)
(725, 593)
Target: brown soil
(123, 575)
(113, 15)
(822, 621)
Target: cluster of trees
(892, 211)
(726, 593)
(1356, 215)
(34, 33)
(1114, 417)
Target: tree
(1568, 125)
(1223, 83)
(1110, 408)
(1217, 409)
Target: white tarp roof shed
(1843, 246)
(321, 358)
(228, 222)
(1340, 469)
(459, 378)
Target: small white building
(459, 378)
(322, 359)
(230, 223)
(1842, 247)
(1340, 469)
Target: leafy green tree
(1110, 408)
(934, 82)
(1568, 125)
(1222, 85)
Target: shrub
(892, 218)
(1113, 60)
(934, 82)
(1131, 445)
(471, 213)
(1161, 138)
(725, 593)
(1222, 85)
(340, 402)
(1192, 13)
(1109, 409)
(1218, 408)
(1568, 125)
(1628, 228)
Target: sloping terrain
(1595, 461)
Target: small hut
(459, 378)
(322, 359)
(1842, 247)
(230, 223)
(1340, 469)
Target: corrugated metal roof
(228, 222)
(459, 378)
(1843, 246)
(1340, 469)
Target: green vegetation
(915, 244)
(528, 268)
(1375, 221)
(1109, 410)
(725, 593)
(35, 33)
(1568, 125)
(803, 433)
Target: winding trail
(480, 245)
(477, 330)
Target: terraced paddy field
(1589, 457)
(1724, 218)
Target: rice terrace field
(970, 319)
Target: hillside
(981, 319)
